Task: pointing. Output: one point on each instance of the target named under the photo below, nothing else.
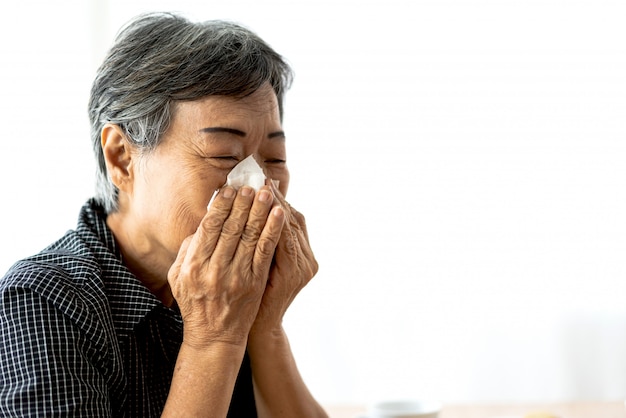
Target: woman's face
(205, 140)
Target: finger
(300, 221)
(268, 242)
(288, 242)
(279, 197)
(296, 219)
(234, 224)
(205, 239)
(303, 235)
(256, 221)
(291, 214)
(294, 242)
(174, 271)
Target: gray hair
(160, 58)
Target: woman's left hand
(279, 390)
(293, 267)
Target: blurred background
(461, 165)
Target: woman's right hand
(220, 273)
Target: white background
(461, 165)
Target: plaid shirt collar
(122, 287)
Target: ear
(118, 155)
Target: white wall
(461, 165)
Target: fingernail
(264, 196)
(229, 192)
(278, 212)
(246, 191)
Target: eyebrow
(237, 132)
(227, 130)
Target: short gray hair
(161, 58)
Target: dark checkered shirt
(81, 336)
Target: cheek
(182, 194)
(198, 189)
(185, 219)
(184, 204)
(208, 187)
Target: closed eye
(224, 162)
(227, 157)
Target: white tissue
(246, 173)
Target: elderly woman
(168, 298)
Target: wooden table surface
(560, 410)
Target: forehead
(262, 105)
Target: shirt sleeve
(47, 365)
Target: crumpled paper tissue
(246, 173)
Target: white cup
(404, 409)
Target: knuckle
(299, 217)
(211, 224)
(251, 233)
(231, 227)
(314, 268)
(191, 268)
(235, 282)
(266, 246)
(291, 244)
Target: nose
(246, 173)
(278, 176)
